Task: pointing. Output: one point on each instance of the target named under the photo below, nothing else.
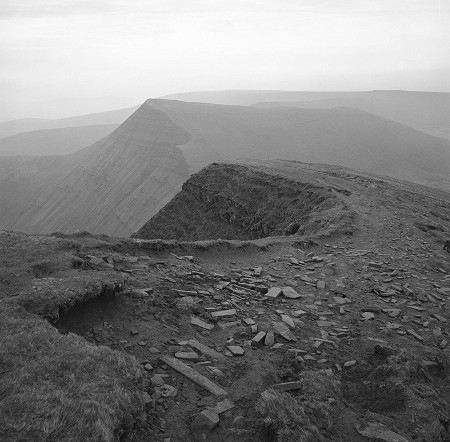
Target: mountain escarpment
(233, 201)
(110, 187)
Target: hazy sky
(111, 53)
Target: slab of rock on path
(378, 431)
(289, 292)
(258, 339)
(283, 330)
(194, 376)
(207, 351)
(187, 355)
(236, 350)
(223, 313)
(273, 292)
(288, 320)
(204, 423)
(202, 324)
(208, 419)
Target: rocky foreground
(338, 337)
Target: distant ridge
(54, 141)
(12, 127)
(425, 111)
(118, 183)
(340, 136)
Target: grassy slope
(52, 386)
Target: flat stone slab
(273, 292)
(269, 339)
(288, 386)
(188, 355)
(187, 292)
(321, 323)
(194, 376)
(257, 271)
(288, 320)
(378, 431)
(340, 300)
(258, 339)
(367, 315)
(289, 292)
(283, 330)
(298, 313)
(439, 317)
(204, 423)
(320, 284)
(204, 349)
(308, 280)
(413, 333)
(223, 406)
(222, 313)
(199, 323)
(224, 325)
(236, 350)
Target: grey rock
(204, 423)
(186, 303)
(236, 350)
(270, 339)
(188, 355)
(283, 330)
(378, 431)
(289, 292)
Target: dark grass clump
(60, 388)
(49, 296)
(285, 419)
(308, 416)
(410, 384)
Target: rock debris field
(232, 336)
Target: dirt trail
(376, 289)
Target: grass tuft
(57, 387)
(308, 416)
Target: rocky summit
(269, 300)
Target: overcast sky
(111, 53)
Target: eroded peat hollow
(313, 307)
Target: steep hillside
(426, 111)
(14, 127)
(345, 137)
(110, 187)
(54, 141)
(230, 201)
(117, 184)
